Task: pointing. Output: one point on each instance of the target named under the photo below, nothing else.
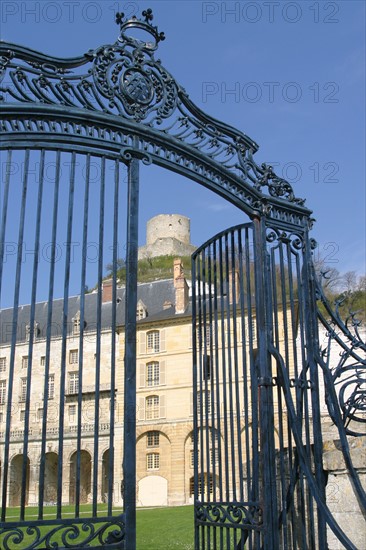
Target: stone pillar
(340, 496)
(177, 478)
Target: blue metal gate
(260, 481)
(74, 132)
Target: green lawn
(165, 528)
(157, 528)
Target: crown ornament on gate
(141, 24)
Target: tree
(120, 264)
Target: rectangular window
(73, 357)
(73, 382)
(72, 414)
(153, 461)
(204, 399)
(43, 360)
(152, 374)
(192, 458)
(1, 417)
(2, 392)
(23, 389)
(153, 439)
(51, 386)
(2, 364)
(153, 341)
(39, 414)
(214, 453)
(25, 361)
(152, 407)
(208, 335)
(206, 367)
(22, 415)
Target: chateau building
(164, 395)
(84, 363)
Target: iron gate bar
(70, 213)
(312, 342)
(4, 213)
(129, 458)
(266, 418)
(31, 334)
(81, 335)
(113, 342)
(14, 334)
(48, 334)
(98, 335)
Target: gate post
(129, 443)
(311, 326)
(265, 388)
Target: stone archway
(50, 478)
(105, 475)
(84, 476)
(15, 485)
(153, 491)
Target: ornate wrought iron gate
(258, 474)
(260, 481)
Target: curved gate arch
(119, 104)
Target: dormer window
(141, 311)
(76, 323)
(28, 330)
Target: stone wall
(168, 225)
(341, 498)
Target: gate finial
(144, 25)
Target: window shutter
(142, 375)
(191, 404)
(162, 406)
(162, 340)
(142, 336)
(162, 373)
(141, 411)
(238, 331)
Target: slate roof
(152, 294)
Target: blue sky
(288, 74)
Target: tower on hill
(167, 235)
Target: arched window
(203, 489)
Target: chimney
(107, 288)
(181, 287)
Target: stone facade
(341, 498)
(164, 405)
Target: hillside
(153, 269)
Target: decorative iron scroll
(72, 534)
(124, 79)
(247, 515)
(344, 356)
